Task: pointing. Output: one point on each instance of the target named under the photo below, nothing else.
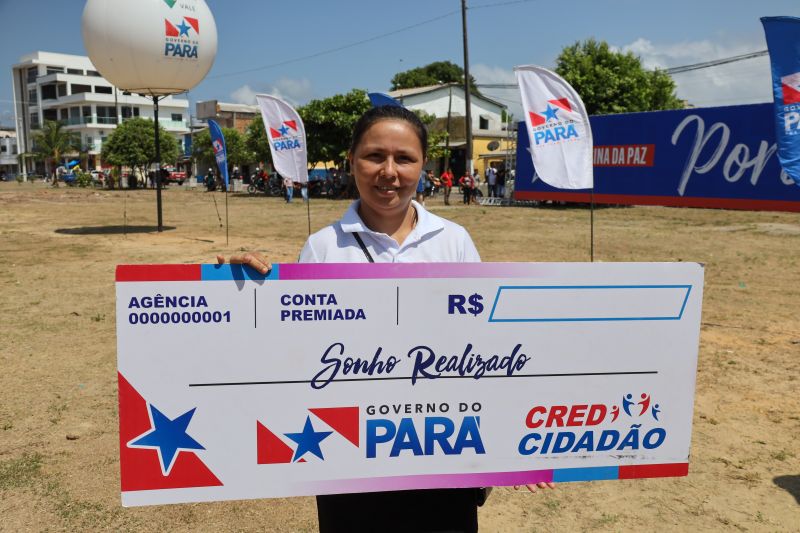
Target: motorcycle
(270, 187)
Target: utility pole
(447, 139)
(468, 124)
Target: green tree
(614, 82)
(436, 137)
(257, 141)
(52, 142)
(329, 124)
(133, 144)
(236, 147)
(432, 74)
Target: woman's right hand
(252, 259)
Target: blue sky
(502, 33)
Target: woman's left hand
(534, 486)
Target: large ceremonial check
(335, 378)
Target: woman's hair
(388, 112)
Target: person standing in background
(491, 180)
(447, 185)
(467, 183)
(288, 184)
(421, 187)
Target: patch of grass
(607, 519)
(20, 472)
(552, 504)
(56, 410)
(782, 455)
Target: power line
(673, 70)
(369, 39)
(715, 62)
(338, 48)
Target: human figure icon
(655, 410)
(645, 403)
(627, 401)
(614, 413)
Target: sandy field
(59, 466)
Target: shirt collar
(426, 222)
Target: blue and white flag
(380, 99)
(558, 127)
(783, 41)
(287, 137)
(220, 152)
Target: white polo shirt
(433, 240)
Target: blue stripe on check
(563, 475)
(235, 272)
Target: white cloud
(244, 95)
(742, 82)
(294, 91)
(494, 74)
(489, 74)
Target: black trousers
(415, 511)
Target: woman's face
(386, 164)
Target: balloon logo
(154, 47)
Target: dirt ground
(58, 402)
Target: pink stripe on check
(438, 481)
(409, 270)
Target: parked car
(170, 175)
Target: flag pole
(227, 186)
(591, 224)
(308, 206)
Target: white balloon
(150, 46)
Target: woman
(447, 185)
(386, 157)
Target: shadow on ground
(110, 230)
(790, 484)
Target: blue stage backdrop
(720, 157)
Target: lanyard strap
(363, 247)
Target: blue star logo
(284, 130)
(184, 29)
(550, 113)
(308, 440)
(168, 437)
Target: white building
(8, 154)
(491, 142)
(67, 88)
(487, 114)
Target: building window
(3, 148)
(78, 88)
(126, 93)
(93, 73)
(106, 114)
(34, 120)
(484, 123)
(63, 113)
(50, 114)
(32, 96)
(75, 71)
(55, 70)
(62, 89)
(33, 73)
(177, 117)
(100, 89)
(48, 92)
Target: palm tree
(52, 142)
